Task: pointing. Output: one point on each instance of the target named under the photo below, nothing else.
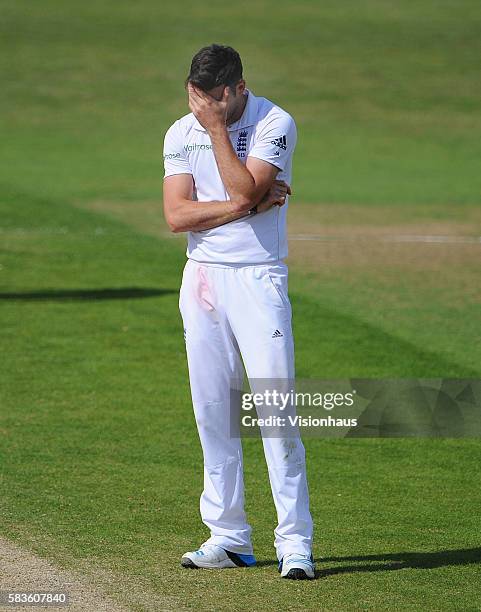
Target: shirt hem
(227, 264)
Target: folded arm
(185, 215)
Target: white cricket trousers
(234, 314)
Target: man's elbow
(247, 199)
(175, 229)
(242, 203)
(174, 223)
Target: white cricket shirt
(264, 131)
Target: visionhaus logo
(276, 411)
(290, 421)
(285, 407)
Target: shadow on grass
(66, 295)
(393, 561)
(401, 560)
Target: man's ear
(240, 87)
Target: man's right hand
(276, 196)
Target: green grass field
(100, 466)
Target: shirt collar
(248, 117)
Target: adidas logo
(280, 142)
(277, 334)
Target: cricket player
(227, 175)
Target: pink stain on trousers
(204, 294)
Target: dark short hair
(213, 66)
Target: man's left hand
(209, 112)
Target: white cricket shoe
(211, 556)
(297, 567)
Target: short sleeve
(276, 141)
(175, 158)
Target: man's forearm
(192, 216)
(237, 179)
